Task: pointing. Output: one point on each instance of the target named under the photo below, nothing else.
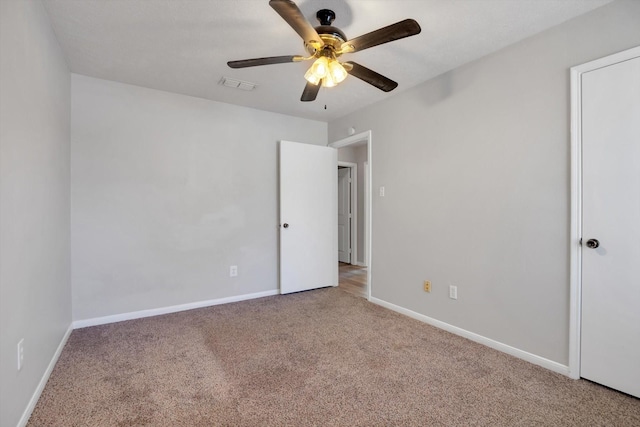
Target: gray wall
(476, 168)
(168, 191)
(35, 289)
(357, 155)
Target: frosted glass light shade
(318, 70)
(337, 71)
(328, 71)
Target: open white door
(308, 217)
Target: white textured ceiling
(183, 46)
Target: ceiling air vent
(237, 84)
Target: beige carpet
(318, 358)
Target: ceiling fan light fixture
(326, 70)
(328, 81)
(337, 71)
(312, 78)
(318, 70)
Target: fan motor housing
(330, 31)
(330, 35)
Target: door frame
(353, 227)
(367, 213)
(353, 139)
(575, 270)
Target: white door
(344, 215)
(610, 331)
(308, 220)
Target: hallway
(353, 279)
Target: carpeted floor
(317, 358)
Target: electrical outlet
(20, 354)
(427, 286)
(381, 191)
(453, 292)
(233, 271)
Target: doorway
(354, 153)
(605, 237)
(353, 279)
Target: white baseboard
(361, 264)
(43, 381)
(166, 310)
(521, 354)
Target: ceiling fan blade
(294, 17)
(396, 31)
(363, 73)
(310, 92)
(244, 63)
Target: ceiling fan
(326, 44)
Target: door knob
(593, 243)
(285, 225)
